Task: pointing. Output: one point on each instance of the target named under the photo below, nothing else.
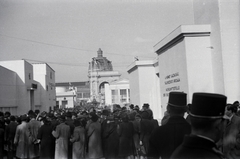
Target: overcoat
(166, 138)
(78, 139)
(62, 135)
(10, 132)
(94, 140)
(146, 128)
(33, 127)
(22, 140)
(1, 142)
(231, 138)
(125, 132)
(47, 144)
(110, 139)
(196, 147)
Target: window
(29, 75)
(86, 95)
(50, 75)
(114, 96)
(123, 95)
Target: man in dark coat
(47, 141)
(125, 131)
(10, 134)
(166, 138)
(206, 117)
(110, 138)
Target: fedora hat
(177, 99)
(208, 105)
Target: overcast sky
(66, 34)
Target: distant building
(70, 94)
(117, 92)
(104, 86)
(100, 74)
(26, 86)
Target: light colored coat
(94, 140)
(33, 127)
(78, 139)
(62, 135)
(22, 140)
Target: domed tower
(100, 63)
(100, 73)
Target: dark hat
(177, 99)
(23, 117)
(208, 105)
(136, 107)
(105, 112)
(146, 105)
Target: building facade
(21, 92)
(144, 85)
(117, 92)
(199, 57)
(100, 73)
(71, 94)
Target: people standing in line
(94, 140)
(207, 122)
(21, 139)
(78, 139)
(62, 135)
(125, 131)
(47, 141)
(166, 138)
(231, 137)
(10, 132)
(33, 127)
(146, 112)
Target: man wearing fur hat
(206, 117)
(166, 138)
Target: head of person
(77, 122)
(136, 108)
(93, 116)
(231, 109)
(145, 106)
(177, 103)
(207, 114)
(138, 117)
(62, 118)
(12, 118)
(24, 118)
(104, 113)
(124, 117)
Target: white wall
(224, 18)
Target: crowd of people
(211, 130)
(76, 134)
